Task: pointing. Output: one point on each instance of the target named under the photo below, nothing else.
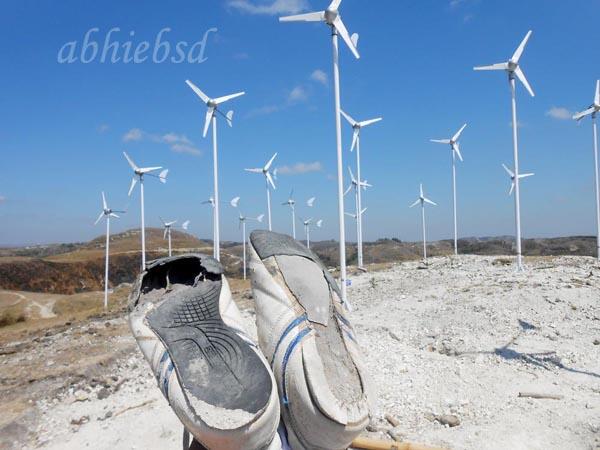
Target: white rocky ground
(461, 338)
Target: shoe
(304, 332)
(213, 375)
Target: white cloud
(319, 76)
(300, 168)
(298, 94)
(135, 134)
(263, 111)
(102, 128)
(178, 143)
(2, 198)
(269, 7)
(560, 113)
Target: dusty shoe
(304, 333)
(213, 375)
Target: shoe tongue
(307, 282)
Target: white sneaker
(213, 375)
(305, 334)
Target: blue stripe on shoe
(297, 321)
(286, 358)
(165, 383)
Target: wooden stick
(540, 395)
(371, 444)
(129, 408)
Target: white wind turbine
(357, 127)
(307, 223)
(266, 171)
(356, 185)
(138, 174)
(422, 200)
(242, 219)
(593, 111)
(168, 226)
(455, 149)
(107, 213)
(512, 176)
(332, 18)
(292, 204)
(512, 68)
(212, 110)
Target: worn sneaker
(211, 372)
(304, 332)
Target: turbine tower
(242, 219)
(455, 149)
(292, 204)
(593, 111)
(307, 224)
(212, 110)
(138, 174)
(211, 201)
(513, 69)
(356, 185)
(266, 171)
(357, 126)
(422, 200)
(332, 18)
(107, 213)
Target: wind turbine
(292, 204)
(513, 69)
(455, 149)
(138, 174)
(168, 226)
(513, 178)
(242, 219)
(107, 213)
(266, 171)
(307, 224)
(422, 200)
(356, 185)
(212, 110)
(332, 18)
(311, 202)
(593, 111)
(357, 127)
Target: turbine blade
(582, 114)
(426, 200)
(525, 175)
(521, 76)
(347, 116)
(257, 170)
(341, 28)
(334, 5)
(351, 215)
(104, 201)
(268, 165)
(133, 181)
(235, 202)
(185, 225)
(99, 217)
(270, 180)
(209, 115)
(415, 203)
(310, 202)
(421, 190)
(149, 169)
(355, 136)
(226, 98)
(348, 190)
(512, 188)
(165, 234)
(163, 176)
(260, 218)
(130, 161)
(307, 17)
(352, 175)
(440, 141)
(498, 66)
(229, 117)
(319, 223)
(198, 92)
(510, 172)
(519, 51)
(456, 148)
(363, 211)
(366, 123)
(114, 215)
(458, 133)
(597, 96)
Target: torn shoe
(211, 372)
(304, 332)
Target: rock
(397, 434)
(448, 419)
(392, 420)
(80, 421)
(596, 341)
(103, 393)
(80, 396)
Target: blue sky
(63, 126)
